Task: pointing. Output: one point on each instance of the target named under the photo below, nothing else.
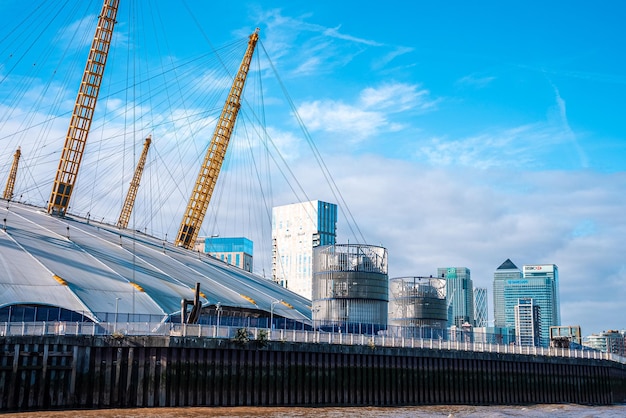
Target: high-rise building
(459, 295)
(543, 283)
(236, 251)
(480, 307)
(527, 322)
(539, 282)
(506, 273)
(296, 229)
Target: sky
(458, 134)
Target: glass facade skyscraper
(505, 274)
(296, 229)
(459, 294)
(539, 282)
(480, 307)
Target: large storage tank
(417, 307)
(350, 288)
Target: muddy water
(539, 411)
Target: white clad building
(296, 229)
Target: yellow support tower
(201, 196)
(8, 190)
(134, 186)
(83, 111)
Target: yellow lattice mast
(199, 200)
(134, 186)
(83, 111)
(8, 190)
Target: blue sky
(459, 134)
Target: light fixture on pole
(117, 300)
(272, 315)
(218, 309)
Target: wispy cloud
(515, 147)
(567, 131)
(371, 113)
(81, 29)
(475, 81)
(312, 48)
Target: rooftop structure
(236, 251)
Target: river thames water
(539, 411)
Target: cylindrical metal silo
(350, 288)
(417, 306)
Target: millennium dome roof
(88, 267)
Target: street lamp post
(272, 316)
(117, 300)
(218, 309)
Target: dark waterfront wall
(103, 372)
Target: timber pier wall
(62, 372)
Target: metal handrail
(121, 329)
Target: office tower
(527, 322)
(459, 295)
(543, 287)
(539, 282)
(296, 229)
(506, 273)
(236, 251)
(480, 307)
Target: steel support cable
(22, 88)
(69, 112)
(37, 37)
(35, 147)
(335, 190)
(39, 145)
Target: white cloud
(523, 146)
(396, 97)
(340, 118)
(371, 114)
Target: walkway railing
(317, 337)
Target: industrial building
(418, 306)
(350, 287)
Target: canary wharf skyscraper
(539, 282)
(459, 295)
(504, 276)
